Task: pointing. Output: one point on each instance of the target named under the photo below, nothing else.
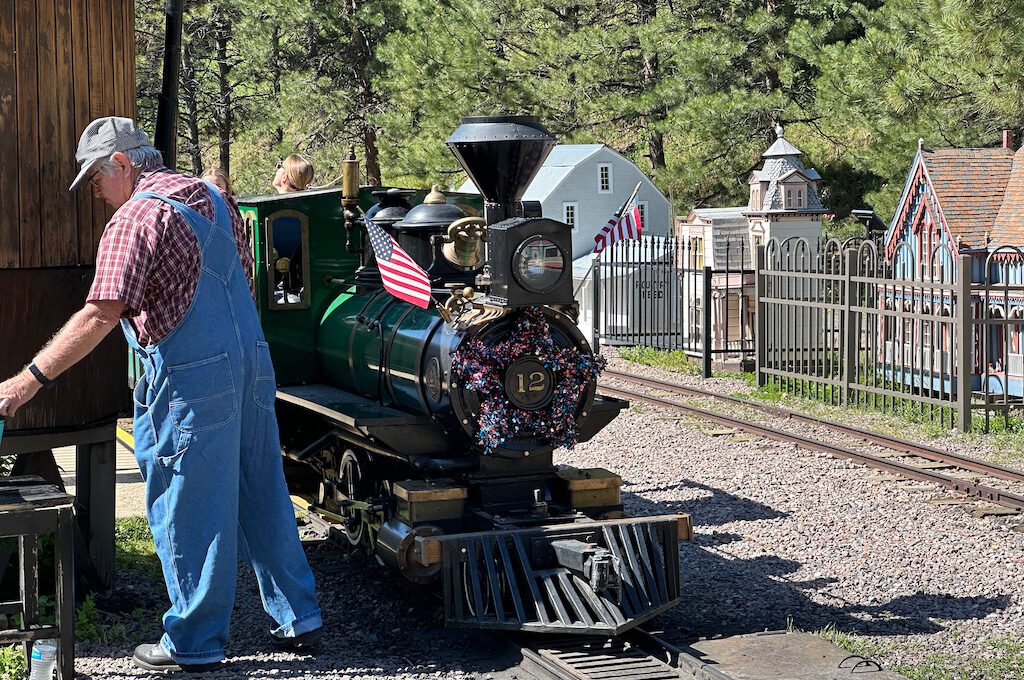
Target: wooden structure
(30, 507)
(63, 63)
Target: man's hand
(16, 391)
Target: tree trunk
(222, 28)
(189, 91)
(372, 163)
(650, 77)
(361, 69)
(275, 76)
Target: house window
(697, 252)
(604, 178)
(799, 198)
(569, 211)
(789, 198)
(643, 213)
(755, 198)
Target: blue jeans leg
(192, 509)
(268, 538)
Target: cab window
(287, 260)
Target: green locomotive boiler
(427, 435)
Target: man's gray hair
(141, 158)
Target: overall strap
(217, 244)
(220, 209)
(132, 338)
(202, 227)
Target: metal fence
(658, 292)
(938, 337)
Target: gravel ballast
(783, 538)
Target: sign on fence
(657, 292)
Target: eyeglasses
(91, 179)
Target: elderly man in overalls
(174, 268)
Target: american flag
(402, 277)
(626, 224)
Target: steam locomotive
(427, 435)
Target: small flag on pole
(402, 277)
(624, 224)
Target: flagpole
(636, 190)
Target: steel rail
(894, 443)
(979, 491)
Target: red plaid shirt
(148, 256)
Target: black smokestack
(502, 155)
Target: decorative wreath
(482, 367)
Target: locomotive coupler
(596, 564)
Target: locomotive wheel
(350, 483)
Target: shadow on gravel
(726, 596)
(377, 625)
(708, 506)
(723, 596)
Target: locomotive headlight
(538, 264)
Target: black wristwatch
(43, 380)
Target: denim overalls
(207, 444)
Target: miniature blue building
(960, 202)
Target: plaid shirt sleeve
(123, 262)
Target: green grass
(134, 548)
(1006, 660)
(1003, 661)
(12, 663)
(675, 360)
(134, 552)
(853, 643)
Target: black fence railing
(670, 294)
(937, 337)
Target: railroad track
(635, 655)
(960, 474)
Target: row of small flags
(407, 281)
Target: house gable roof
(970, 186)
(794, 176)
(1009, 223)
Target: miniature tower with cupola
(784, 201)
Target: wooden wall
(94, 389)
(62, 64)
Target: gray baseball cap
(103, 137)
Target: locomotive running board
(398, 430)
(510, 580)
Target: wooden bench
(29, 507)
